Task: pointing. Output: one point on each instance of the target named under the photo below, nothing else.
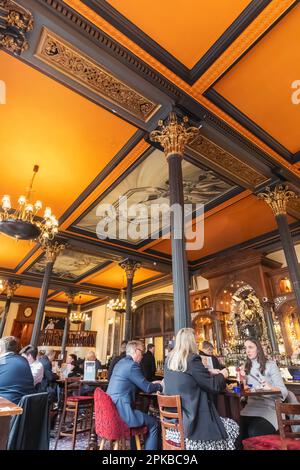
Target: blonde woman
(185, 375)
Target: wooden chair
(287, 439)
(170, 409)
(81, 407)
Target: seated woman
(75, 370)
(185, 375)
(258, 417)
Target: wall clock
(28, 312)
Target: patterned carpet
(65, 443)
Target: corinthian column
(51, 252)
(173, 137)
(277, 199)
(10, 290)
(129, 266)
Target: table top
(7, 408)
(256, 393)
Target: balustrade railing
(75, 338)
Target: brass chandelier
(24, 223)
(119, 305)
(76, 316)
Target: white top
(264, 405)
(37, 370)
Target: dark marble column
(64, 342)
(277, 199)
(10, 288)
(51, 252)
(268, 312)
(173, 137)
(130, 266)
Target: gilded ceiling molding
(226, 161)
(64, 57)
(15, 23)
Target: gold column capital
(52, 250)
(11, 287)
(15, 22)
(174, 135)
(130, 266)
(70, 296)
(278, 198)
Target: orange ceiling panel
(185, 31)
(242, 221)
(11, 250)
(28, 291)
(260, 84)
(116, 277)
(45, 123)
(82, 299)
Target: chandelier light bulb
(6, 205)
(47, 213)
(22, 200)
(38, 205)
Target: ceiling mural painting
(70, 265)
(147, 185)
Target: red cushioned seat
(79, 398)
(269, 442)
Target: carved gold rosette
(15, 22)
(278, 198)
(130, 266)
(174, 135)
(70, 297)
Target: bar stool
(80, 407)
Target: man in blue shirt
(126, 379)
(16, 379)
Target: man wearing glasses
(126, 379)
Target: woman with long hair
(185, 375)
(258, 417)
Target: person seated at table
(207, 350)
(185, 375)
(73, 367)
(91, 356)
(258, 417)
(148, 363)
(126, 379)
(16, 379)
(30, 353)
(116, 359)
(48, 383)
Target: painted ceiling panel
(79, 299)
(260, 84)
(242, 221)
(70, 265)
(12, 251)
(27, 291)
(186, 33)
(45, 123)
(148, 184)
(116, 277)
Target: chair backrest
(286, 423)
(72, 387)
(31, 430)
(108, 423)
(171, 419)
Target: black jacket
(113, 362)
(148, 366)
(16, 378)
(201, 420)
